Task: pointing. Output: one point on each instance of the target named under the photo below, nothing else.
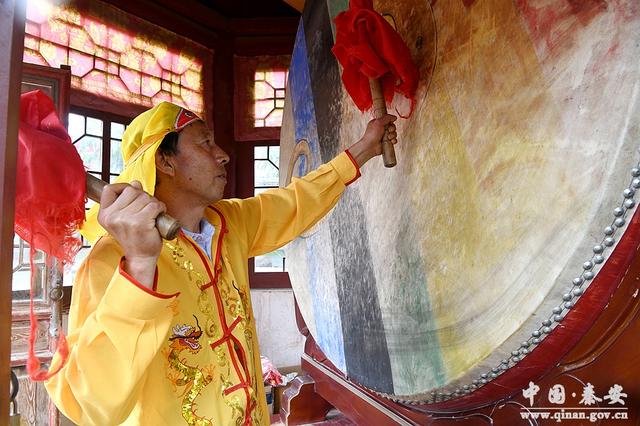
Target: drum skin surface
(454, 266)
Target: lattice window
(98, 138)
(22, 272)
(111, 61)
(116, 162)
(266, 169)
(98, 141)
(266, 175)
(87, 135)
(259, 96)
(269, 94)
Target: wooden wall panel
(32, 401)
(12, 15)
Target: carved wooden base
(359, 405)
(301, 404)
(33, 403)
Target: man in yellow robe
(162, 332)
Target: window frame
(105, 173)
(245, 68)
(105, 168)
(247, 136)
(245, 188)
(111, 59)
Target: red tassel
(33, 363)
(367, 47)
(50, 198)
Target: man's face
(199, 164)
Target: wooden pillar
(12, 19)
(223, 107)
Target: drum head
(442, 273)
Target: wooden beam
(12, 20)
(197, 12)
(202, 28)
(265, 45)
(202, 24)
(264, 26)
(296, 4)
(223, 119)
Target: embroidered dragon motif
(185, 337)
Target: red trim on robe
(152, 291)
(357, 168)
(226, 334)
(235, 388)
(214, 280)
(216, 265)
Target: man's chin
(214, 198)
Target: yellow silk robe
(186, 352)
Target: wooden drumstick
(379, 110)
(167, 226)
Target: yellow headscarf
(139, 144)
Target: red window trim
(244, 179)
(267, 280)
(94, 104)
(126, 21)
(244, 123)
(106, 133)
(247, 136)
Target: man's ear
(165, 163)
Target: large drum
(515, 183)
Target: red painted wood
(264, 45)
(208, 27)
(12, 19)
(244, 189)
(188, 26)
(301, 404)
(61, 77)
(222, 92)
(93, 103)
(245, 68)
(268, 279)
(265, 27)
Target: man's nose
(221, 156)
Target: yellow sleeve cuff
(129, 298)
(346, 167)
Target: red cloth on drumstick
(50, 197)
(367, 47)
